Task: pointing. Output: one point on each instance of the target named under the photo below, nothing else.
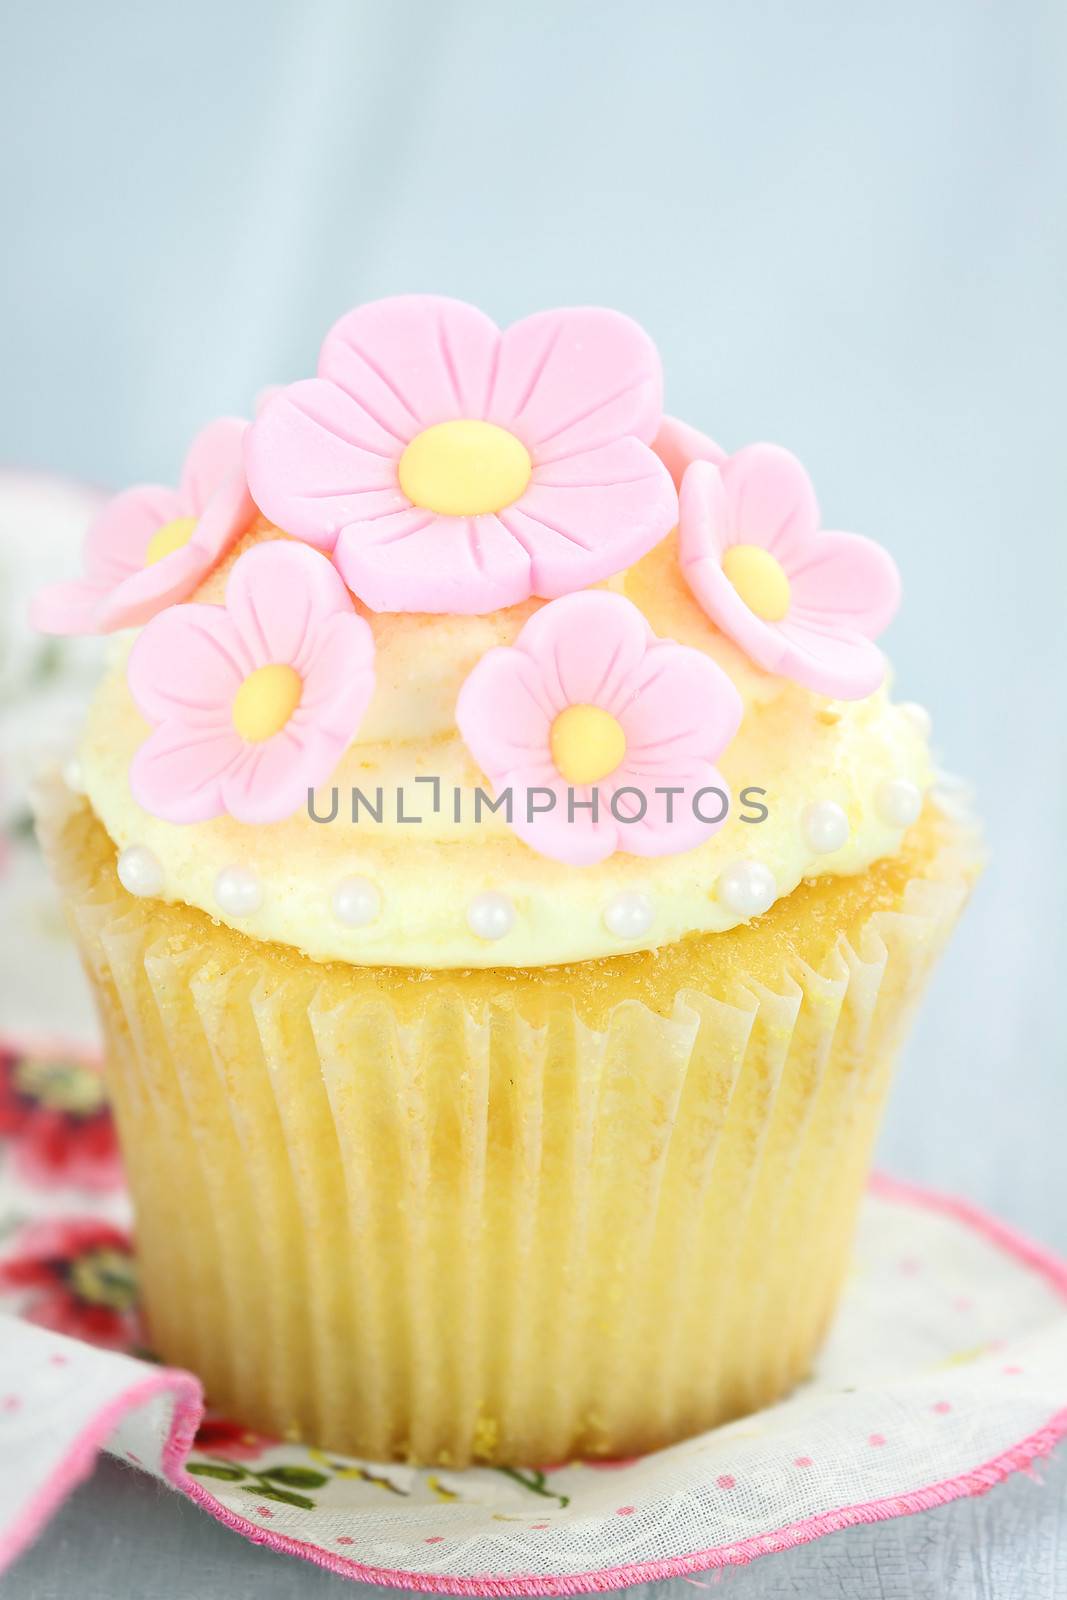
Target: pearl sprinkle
(747, 888)
(139, 871)
(490, 915)
(825, 827)
(238, 891)
(356, 902)
(629, 915)
(899, 802)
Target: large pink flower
(588, 701)
(452, 467)
(151, 545)
(802, 602)
(254, 701)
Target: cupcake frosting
(465, 582)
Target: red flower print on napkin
(54, 1110)
(76, 1275)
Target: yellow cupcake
(450, 1139)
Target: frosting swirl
(448, 891)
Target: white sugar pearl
(918, 716)
(629, 915)
(825, 826)
(356, 902)
(73, 776)
(899, 802)
(747, 888)
(490, 915)
(238, 891)
(139, 870)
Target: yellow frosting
(799, 747)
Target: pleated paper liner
(502, 1218)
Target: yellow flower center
(464, 469)
(587, 744)
(104, 1278)
(60, 1086)
(759, 579)
(172, 536)
(265, 701)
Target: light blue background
(842, 223)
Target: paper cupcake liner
(441, 1231)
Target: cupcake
(505, 881)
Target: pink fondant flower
(678, 446)
(589, 700)
(253, 701)
(152, 545)
(452, 467)
(801, 602)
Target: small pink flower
(452, 467)
(588, 701)
(678, 446)
(254, 701)
(801, 602)
(151, 545)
